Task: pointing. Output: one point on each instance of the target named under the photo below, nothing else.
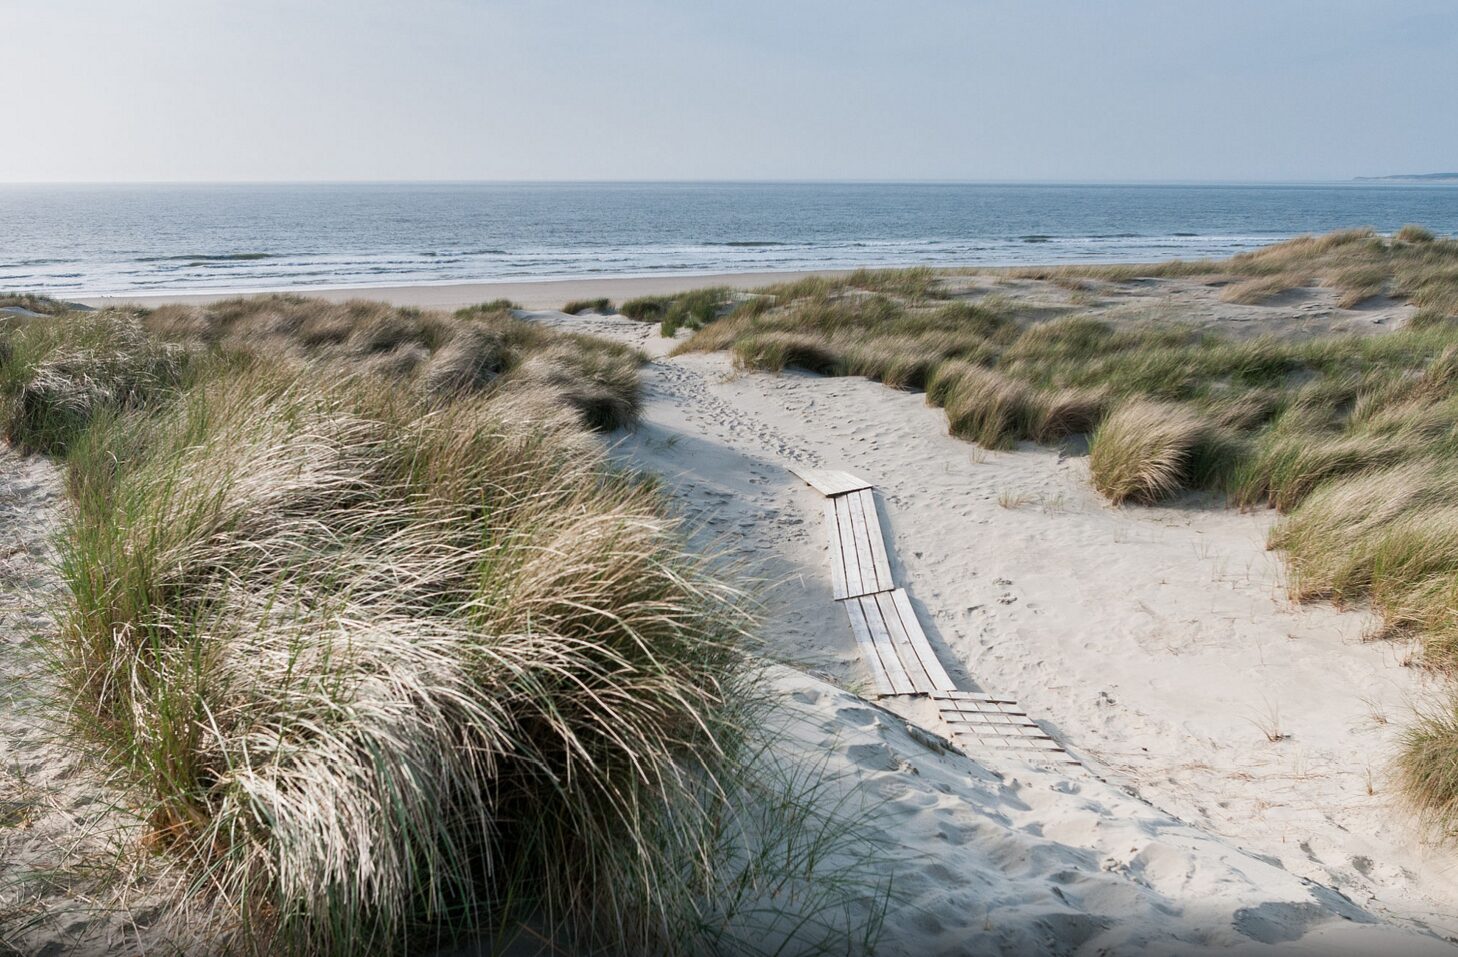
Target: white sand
(532, 294)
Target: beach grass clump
(693, 309)
(1413, 233)
(57, 374)
(490, 306)
(601, 306)
(1065, 413)
(1427, 771)
(19, 303)
(1143, 451)
(1260, 289)
(983, 405)
(428, 640)
(601, 385)
(645, 308)
(472, 350)
(1388, 529)
(385, 666)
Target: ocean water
(79, 240)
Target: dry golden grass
(602, 305)
(982, 405)
(473, 350)
(1143, 451)
(427, 636)
(386, 651)
(1428, 773)
(1069, 412)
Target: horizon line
(1391, 179)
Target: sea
(93, 240)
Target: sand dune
(1234, 797)
(1157, 643)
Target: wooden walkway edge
(893, 644)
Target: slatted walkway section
(892, 643)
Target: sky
(1017, 90)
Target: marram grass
(392, 655)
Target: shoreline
(530, 293)
(538, 294)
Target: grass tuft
(58, 374)
(602, 306)
(982, 405)
(1412, 233)
(1143, 451)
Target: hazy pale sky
(122, 90)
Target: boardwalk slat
(879, 679)
(863, 544)
(854, 584)
(816, 478)
(837, 553)
(902, 642)
(981, 707)
(879, 558)
(1008, 733)
(844, 483)
(953, 695)
(830, 482)
(955, 717)
(900, 681)
(1033, 746)
(940, 680)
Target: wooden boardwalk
(892, 643)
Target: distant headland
(1413, 178)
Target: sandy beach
(538, 294)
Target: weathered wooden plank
(869, 654)
(844, 483)
(1004, 732)
(862, 540)
(854, 584)
(948, 707)
(901, 682)
(979, 707)
(940, 680)
(902, 643)
(830, 482)
(837, 553)
(954, 695)
(1006, 721)
(879, 558)
(815, 478)
(1015, 727)
(1033, 746)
